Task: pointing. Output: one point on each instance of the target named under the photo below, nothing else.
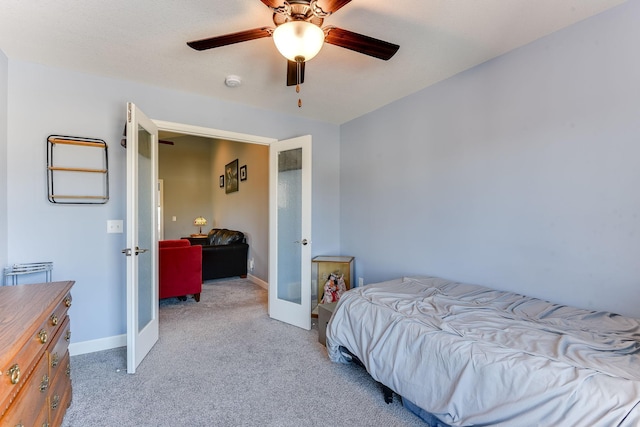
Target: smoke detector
(233, 81)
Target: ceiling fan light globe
(296, 39)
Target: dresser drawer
(16, 373)
(32, 396)
(43, 418)
(60, 312)
(60, 346)
(60, 393)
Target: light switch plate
(114, 226)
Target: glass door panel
(290, 225)
(146, 208)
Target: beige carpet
(224, 362)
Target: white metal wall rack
(21, 269)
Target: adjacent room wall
(46, 100)
(521, 173)
(191, 169)
(185, 169)
(247, 209)
(4, 81)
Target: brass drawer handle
(55, 401)
(55, 359)
(54, 319)
(44, 384)
(14, 374)
(67, 336)
(68, 370)
(44, 337)
(67, 301)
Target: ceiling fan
(299, 37)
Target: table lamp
(199, 222)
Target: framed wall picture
(231, 177)
(243, 173)
(221, 181)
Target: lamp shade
(298, 40)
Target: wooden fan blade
(271, 3)
(242, 36)
(292, 71)
(332, 5)
(361, 43)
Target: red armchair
(180, 267)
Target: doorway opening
(280, 193)
(199, 151)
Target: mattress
(471, 355)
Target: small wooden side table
(321, 268)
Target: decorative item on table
(199, 222)
(334, 287)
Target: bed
(463, 355)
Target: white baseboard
(258, 281)
(97, 345)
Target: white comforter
(474, 356)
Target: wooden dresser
(35, 376)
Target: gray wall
(45, 100)
(185, 169)
(247, 209)
(4, 80)
(521, 173)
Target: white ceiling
(144, 40)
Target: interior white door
(290, 231)
(142, 239)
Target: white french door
(142, 239)
(290, 231)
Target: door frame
(212, 133)
(244, 138)
(206, 132)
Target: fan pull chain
(298, 78)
